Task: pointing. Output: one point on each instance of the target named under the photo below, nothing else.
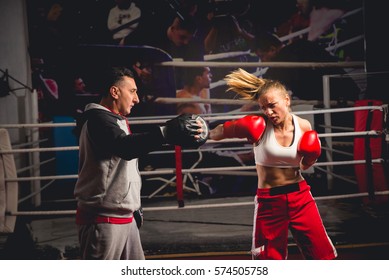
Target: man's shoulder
(183, 94)
(98, 115)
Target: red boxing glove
(309, 147)
(250, 127)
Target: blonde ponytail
(249, 86)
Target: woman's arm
(217, 133)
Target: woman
(284, 144)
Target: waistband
(83, 218)
(290, 188)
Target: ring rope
(30, 167)
(199, 206)
(72, 148)
(217, 56)
(342, 143)
(37, 192)
(39, 125)
(346, 42)
(29, 143)
(337, 151)
(169, 171)
(349, 64)
(203, 150)
(337, 176)
(180, 100)
(356, 133)
(336, 127)
(68, 148)
(237, 102)
(224, 101)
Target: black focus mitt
(183, 129)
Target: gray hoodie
(109, 181)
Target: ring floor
(359, 230)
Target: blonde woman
(284, 144)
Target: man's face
(79, 85)
(126, 95)
(181, 37)
(265, 55)
(206, 78)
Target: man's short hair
(190, 73)
(112, 75)
(265, 40)
(187, 23)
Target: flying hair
(249, 86)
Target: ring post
(327, 123)
(9, 191)
(179, 180)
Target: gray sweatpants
(110, 242)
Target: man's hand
(186, 130)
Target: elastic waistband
(83, 218)
(283, 189)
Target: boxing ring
(199, 215)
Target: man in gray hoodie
(109, 183)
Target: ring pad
(205, 133)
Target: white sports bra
(270, 153)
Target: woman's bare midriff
(269, 177)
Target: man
(82, 96)
(304, 83)
(197, 81)
(108, 186)
(178, 39)
(123, 20)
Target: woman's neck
(285, 125)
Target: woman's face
(275, 104)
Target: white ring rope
(68, 148)
(201, 149)
(239, 102)
(349, 64)
(34, 165)
(336, 127)
(356, 133)
(73, 148)
(172, 171)
(36, 192)
(346, 42)
(29, 143)
(337, 151)
(40, 125)
(198, 206)
(337, 176)
(173, 100)
(217, 56)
